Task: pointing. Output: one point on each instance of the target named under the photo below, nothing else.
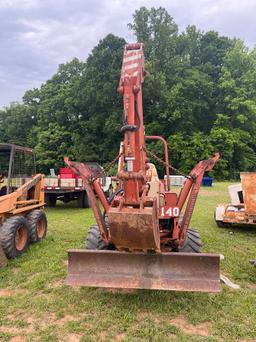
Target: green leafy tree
(53, 144)
(199, 93)
(16, 122)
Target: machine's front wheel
(193, 243)
(94, 239)
(14, 236)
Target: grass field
(36, 305)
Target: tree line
(199, 93)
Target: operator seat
(154, 183)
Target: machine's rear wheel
(94, 239)
(38, 225)
(193, 243)
(14, 236)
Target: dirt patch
(103, 334)
(73, 338)
(14, 330)
(57, 284)
(34, 323)
(6, 293)
(120, 337)
(15, 270)
(115, 290)
(158, 320)
(210, 193)
(18, 339)
(201, 329)
(65, 319)
(10, 292)
(144, 314)
(75, 287)
(51, 318)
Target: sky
(38, 35)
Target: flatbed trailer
(68, 186)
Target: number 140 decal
(175, 211)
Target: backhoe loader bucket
(165, 271)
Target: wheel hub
(21, 237)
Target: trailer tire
(193, 243)
(14, 236)
(38, 225)
(83, 200)
(50, 200)
(94, 239)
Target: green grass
(41, 308)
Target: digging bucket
(165, 271)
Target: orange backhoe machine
(142, 240)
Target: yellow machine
(22, 219)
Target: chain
(102, 173)
(108, 166)
(164, 163)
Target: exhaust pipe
(165, 271)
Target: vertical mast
(130, 86)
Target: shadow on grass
(245, 228)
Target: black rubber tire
(8, 232)
(221, 224)
(50, 200)
(83, 200)
(193, 243)
(94, 239)
(35, 218)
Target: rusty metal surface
(239, 217)
(3, 259)
(134, 229)
(156, 137)
(19, 202)
(86, 173)
(249, 191)
(166, 271)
